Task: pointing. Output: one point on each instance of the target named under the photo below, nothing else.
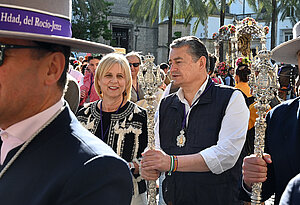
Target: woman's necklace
(11, 161)
(181, 137)
(101, 118)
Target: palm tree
(269, 10)
(201, 9)
(89, 19)
(222, 22)
(149, 10)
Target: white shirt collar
(25, 128)
(181, 97)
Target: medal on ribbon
(181, 139)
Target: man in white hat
(46, 156)
(282, 141)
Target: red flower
(266, 30)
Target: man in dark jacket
(200, 133)
(47, 157)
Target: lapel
(61, 124)
(291, 130)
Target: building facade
(146, 39)
(129, 35)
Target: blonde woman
(117, 121)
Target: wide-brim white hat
(45, 21)
(287, 51)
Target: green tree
(201, 9)
(222, 22)
(149, 10)
(89, 19)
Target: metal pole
(135, 43)
(243, 8)
(136, 33)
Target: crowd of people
(75, 131)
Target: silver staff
(150, 79)
(263, 81)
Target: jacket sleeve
(101, 180)
(291, 195)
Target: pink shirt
(77, 75)
(20, 132)
(88, 83)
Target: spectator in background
(242, 77)
(76, 75)
(87, 90)
(166, 68)
(81, 58)
(83, 66)
(214, 76)
(135, 62)
(287, 75)
(229, 80)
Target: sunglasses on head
(134, 64)
(3, 48)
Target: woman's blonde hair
(106, 64)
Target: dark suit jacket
(66, 164)
(291, 195)
(283, 144)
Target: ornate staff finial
(263, 81)
(150, 79)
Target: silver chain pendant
(181, 139)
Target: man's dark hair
(196, 46)
(50, 47)
(99, 57)
(164, 66)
